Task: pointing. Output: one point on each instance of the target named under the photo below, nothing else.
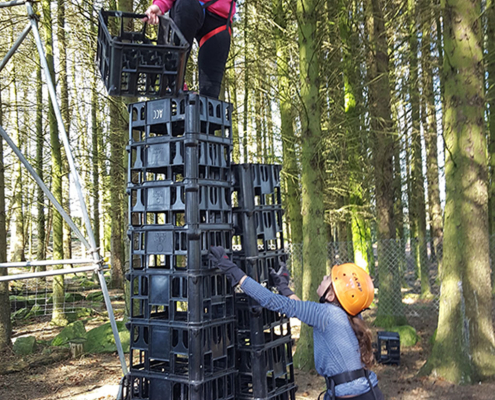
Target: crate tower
(264, 342)
(191, 336)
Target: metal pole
(15, 46)
(46, 262)
(12, 3)
(47, 273)
(76, 181)
(49, 194)
(65, 140)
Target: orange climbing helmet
(353, 287)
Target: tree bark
(464, 349)
(58, 316)
(390, 309)
(418, 206)
(290, 167)
(5, 324)
(312, 177)
(431, 134)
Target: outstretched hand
(152, 14)
(220, 259)
(281, 279)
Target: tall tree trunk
(5, 324)
(390, 309)
(312, 177)
(65, 111)
(40, 197)
(290, 168)
(490, 66)
(17, 239)
(245, 147)
(418, 206)
(361, 234)
(464, 349)
(431, 134)
(58, 316)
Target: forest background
(379, 112)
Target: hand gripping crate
(174, 249)
(155, 387)
(136, 59)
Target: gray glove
(220, 259)
(281, 279)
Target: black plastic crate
(264, 372)
(263, 180)
(258, 267)
(388, 348)
(195, 352)
(268, 222)
(152, 387)
(165, 205)
(165, 162)
(285, 393)
(156, 247)
(181, 297)
(248, 310)
(137, 59)
(163, 119)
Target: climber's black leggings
(195, 22)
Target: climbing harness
(345, 377)
(220, 28)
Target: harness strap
(348, 376)
(208, 3)
(213, 33)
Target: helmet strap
(323, 298)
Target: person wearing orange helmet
(342, 342)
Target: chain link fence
(409, 286)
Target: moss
(101, 339)
(24, 345)
(75, 330)
(408, 335)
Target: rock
(35, 311)
(95, 296)
(24, 345)
(73, 297)
(101, 340)
(72, 331)
(19, 314)
(408, 335)
(80, 313)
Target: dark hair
(363, 334)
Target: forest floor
(96, 377)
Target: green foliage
(101, 339)
(408, 335)
(75, 330)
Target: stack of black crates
(182, 321)
(264, 342)
(192, 337)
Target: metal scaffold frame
(96, 262)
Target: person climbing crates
(342, 342)
(210, 23)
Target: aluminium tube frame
(91, 244)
